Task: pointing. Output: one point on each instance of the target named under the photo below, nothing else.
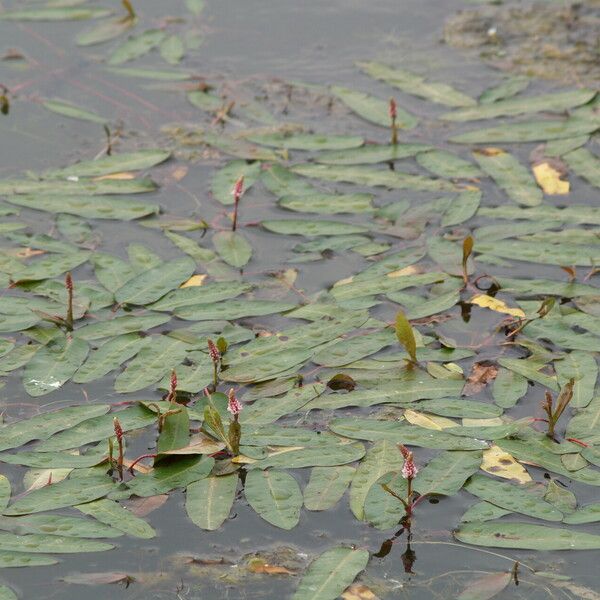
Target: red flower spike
(118, 430)
(234, 406)
(238, 189)
(393, 109)
(213, 351)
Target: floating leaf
(70, 110)
(416, 85)
(209, 501)
(447, 472)
(112, 513)
(331, 573)
(525, 536)
(54, 13)
(406, 336)
(372, 109)
(232, 248)
(485, 587)
(51, 367)
(307, 141)
(496, 305)
(275, 496)
(326, 486)
(549, 179)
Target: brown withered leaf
(257, 565)
(141, 507)
(358, 591)
(481, 374)
(100, 578)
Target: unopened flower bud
(69, 282)
(118, 429)
(238, 189)
(393, 109)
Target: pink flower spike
(393, 109)
(69, 282)
(409, 470)
(238, 189)
(173, 383)
(118, 429)
(234, 406)
(213, 351)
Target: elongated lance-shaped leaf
(406, 335)
(209, 501)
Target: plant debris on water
(391, 305)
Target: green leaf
(224, 179)
(582, 367)
(554, 102)
(447, 472)
(175, 432)
(506, 89)
(306, 141)
(370, 154)
(508, 387)
(4, 492)
(232, 309)
(326, 486)
(510, 175)
(112, 513)
(104, 31)
(382, 458)
(328, 204)
(275, 496)
(462, 208)
(208, 502)
(51, 460)
(368, 176)
(110, 356)
(311, 227)
(282, 182)
(232, 247)
(62, 494)
(96, 428)
(52, 366)
(373, 430)
(155, 360)
(586, 514)
(406, 336)
(169, 475)
(157, 74)
(52, 524)
(525, 536)
(331, 573)
(42, 426)
(121, 209)
(529, 131)
(514, 497)
(50, 543)
(372, 109)
(354, 348)
(445, 164)
(136, 46)
(67, 109)
(46, 268)
(125, 324)
(154, 283)
(204, 294)
(382, 509)
(6, 593)
(172, 49)
(416, 85)
(585, 164)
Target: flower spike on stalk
(235, 431)
(119, 434)
(237, 191)
(234, 406)
(215, 356)
(393, 110)
(69, 288)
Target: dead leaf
(427, 421)
(100, 578)
(481, 374)
(194, 281)
(502, 464)
(496, 305)
(257, 565)
(410, 270)
(483, 588)
(549, 179)
(141, 507)
(125, 175)
(179, 173)
(358, 591)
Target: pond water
(224, 89)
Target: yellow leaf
(502, 464)
(410, 270)
(117, 176)
(344, 281)
(427, 421)
(243, 460)
(549, 179)
(486, 301)
(258, 565)
(194, 281)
